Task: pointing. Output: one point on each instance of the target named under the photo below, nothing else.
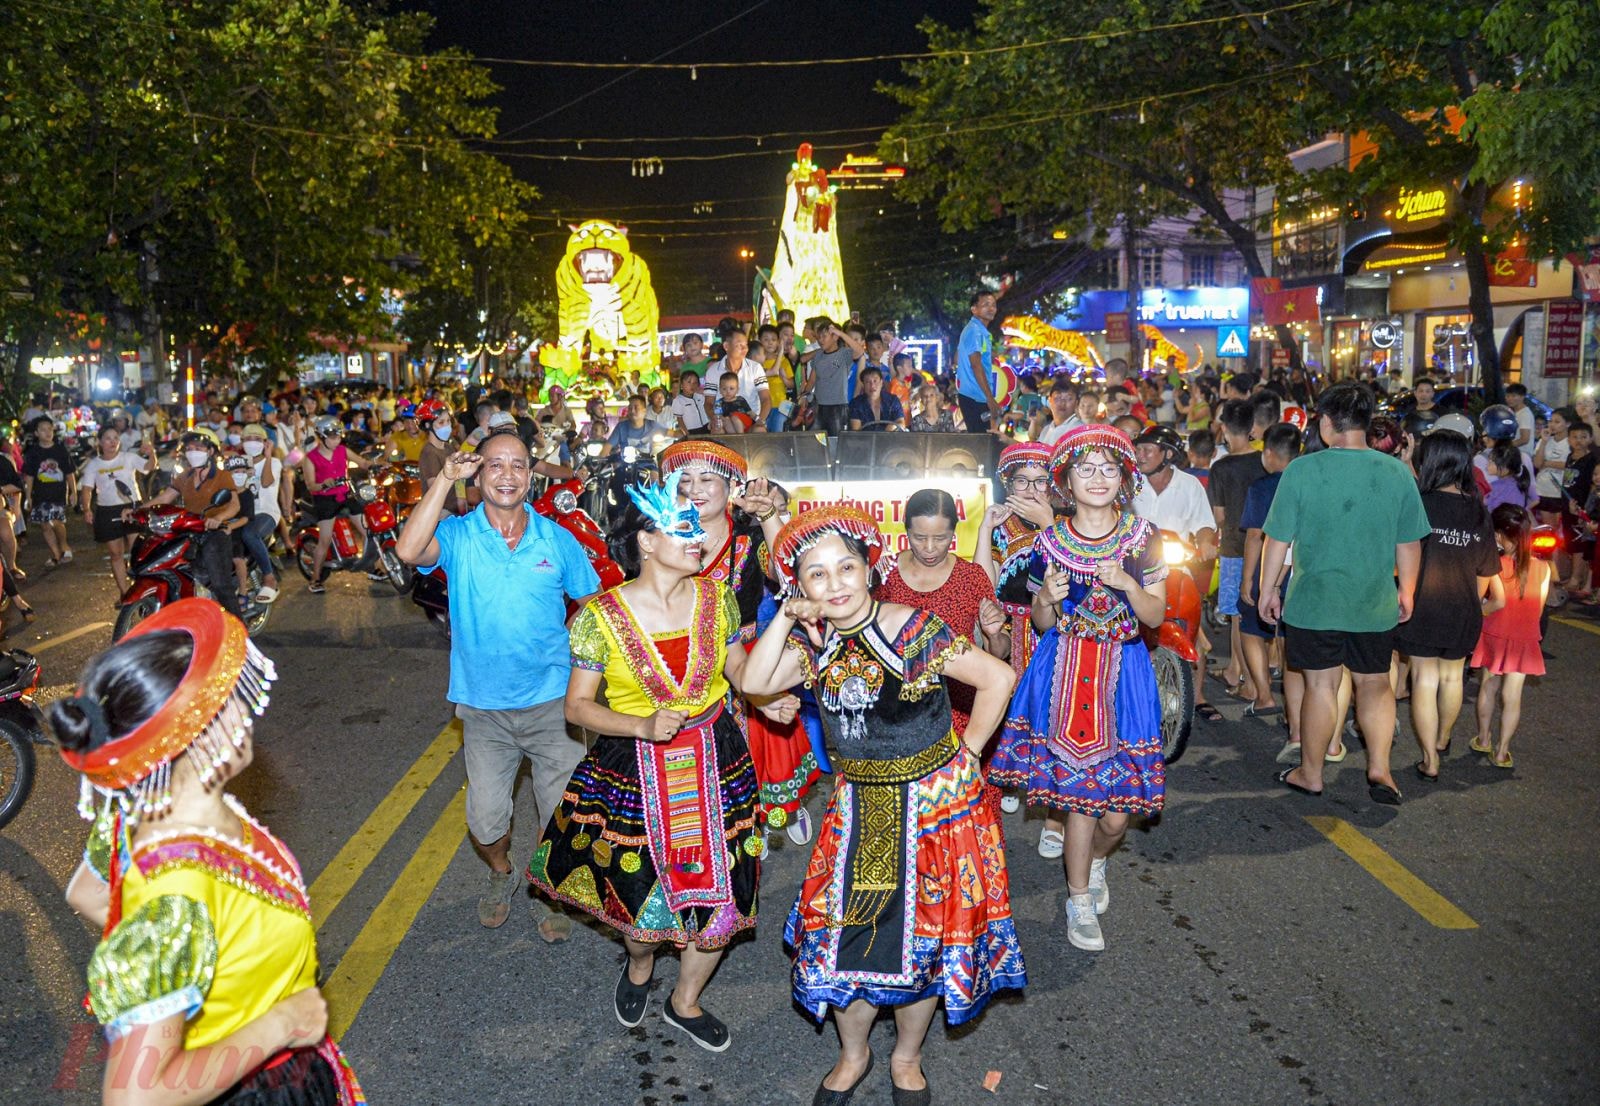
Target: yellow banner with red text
(884, 501)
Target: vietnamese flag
(1292, 305)
(1513, 269)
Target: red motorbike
(349, 553)
(1172, 647)
(161, 569)
(559, 503)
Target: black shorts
(1364, 654)
(1250, 622)
(326, 507)
(1434, 652)
(108, 524)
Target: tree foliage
(263, 169)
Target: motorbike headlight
(1174, 553)
(366, 492)
(629, 455)
(593, 448)
(564, 501)
(160, 525)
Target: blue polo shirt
(975, 338)
(508, 633)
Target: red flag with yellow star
(1292, 305)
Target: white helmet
(1456, 421)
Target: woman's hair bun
(70, 724)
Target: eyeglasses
(1023, 483)
(1086, 471)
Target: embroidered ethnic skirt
(944, 929)
(785, 765)
(313, 1076)
(614, 833)
(1133, 780)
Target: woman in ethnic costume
(717, 480)
(1084, 730)
(205, 979)
(905, 901)
(656, 833)
(1005, 550)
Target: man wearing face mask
(510, 571)
(441, 444)
(266, 481)
(201, 483)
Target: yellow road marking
(369, 954)
(1586, 627)
(1434, 907)
(335, 881)
(70, 635)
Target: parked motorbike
(1172, 647)
(347, 552)
(604, 495)
(21, 728)
(162, 569)
(559, 503)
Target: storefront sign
(1165, 308)
(1233, 341)
(1417, 209)
(1385, 334)
(884, 501)
(1280, 357)
(1117, 327)
(354, 364)
(1588, 266)
(1563, 338)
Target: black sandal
(706, 1030)
(827, 1097)
(1283, 778)
(1423, 775)
(1208, 712)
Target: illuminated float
(807, 276)
(608, 312)
(1027, 332)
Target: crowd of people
(672, 722)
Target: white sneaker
(1051, 844)
(1010, 803)
(799, 827)
(1083, 928)
(1097, 886)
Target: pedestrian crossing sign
(1231, 341)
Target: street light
(748, 256)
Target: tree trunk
(1479, 301)
(27, 346)
(1130, 259)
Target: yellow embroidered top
(640, 680)
(217, 929)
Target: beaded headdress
(693, 454)
(801, 533)
(1022, 454)
(1081, 440)
(207, 717)
(659, 503)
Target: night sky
(539, 103)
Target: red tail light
(1544, 543)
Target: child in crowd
(732, 412)
(1510, 480)
(1202, 450)
(1508, 652)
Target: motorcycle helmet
(1171, 443)
(406, 411)
(1456, 421)
(327, 426)
(1418, 423)
(1386, 436)
(1499, 423)
(428, 410)
(1295, 416)
(203, 436)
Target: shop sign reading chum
(1418, 206)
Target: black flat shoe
(631, 1000)
(902, 1097)
(1283, 778)
(705, 1030)
(826, 1097)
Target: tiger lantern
(608, 307)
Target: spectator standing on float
(975, 366)
(1059, 416)
(828, 373)
(1357, 523)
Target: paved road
(1253, 958)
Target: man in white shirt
(689, 406)
(1517, 400)
(753, 387)
(1060, 416)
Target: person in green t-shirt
(1356, 522)
(694, 357)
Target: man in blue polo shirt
(510, 573)
(975, 367)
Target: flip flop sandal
(1330, 758)
(1509, 762)
(1283, 778)
(1424, 775)
(1253, 711)
(1383, 794)
(1208, 712)
(1476, 748)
